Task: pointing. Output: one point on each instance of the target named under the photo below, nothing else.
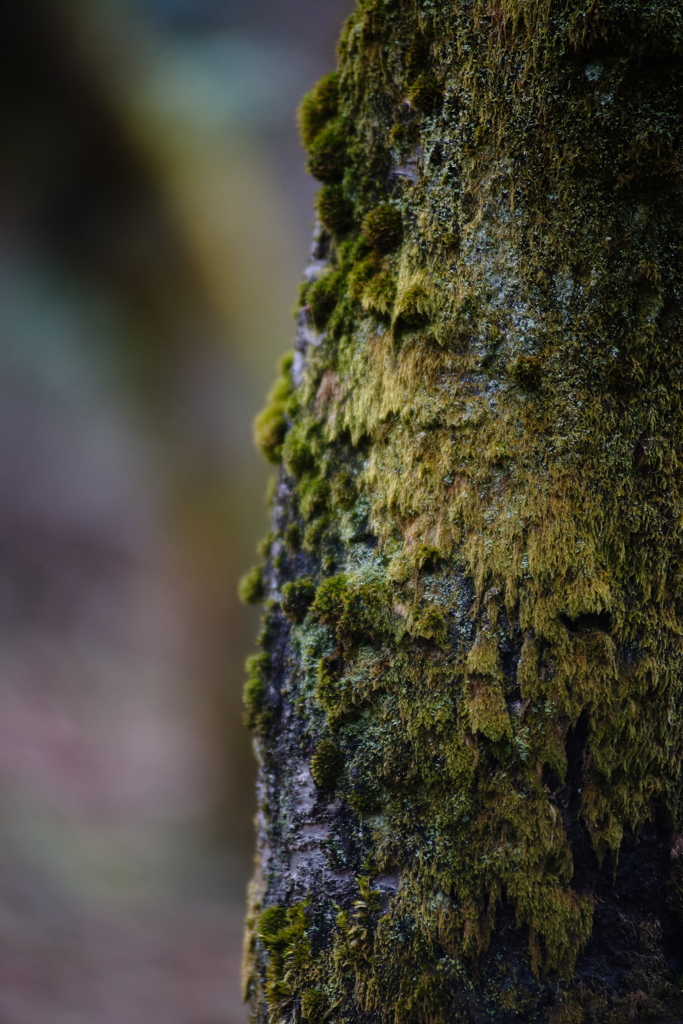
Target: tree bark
(468, 705)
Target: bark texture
(468, 704)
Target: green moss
(383, 228)
(250, 587)
(330, 598)
(318, 107)
(315, 1006)
(361, 274)
(323, 296)
(327, 154)
(255, 714)
(271, 425)
(379, 296)
(430, 624)
(334, 694)
(344, 492)
(297, 454)
(282, 933)
(334, 209)
(414, 304)
(297, 598)
(313, 536)
(426, 93)
(313, 498)
(327, 764)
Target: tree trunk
(469, 707)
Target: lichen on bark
(469, 705)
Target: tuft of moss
(315, 1006)
(330, 598)
(352, 612)
(413, 308)
(426, 93)
(379, 296)
(250, 587)
(361, 274)
(297, 455)
(255, 714)
(297, 598)
(318, 107)
(327, 764)
(282, 933)
(334, 209)
(383, 228)
(327, 154)
(271, 924)
(270, 426)
(323, 296)
(430, 624)
(344, 491)
(313, 498)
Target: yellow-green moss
(318, 107)
(255, 714)
(327, 764)
(383, 228)
(327, 154)
(250, 587)
(270, 425)
(297, 598)
(334, 209)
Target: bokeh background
(154, 222)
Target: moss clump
(327, 764)
(318, 106)
(314, 497)
(315, 1006)
(297, 598)
(327, 154)
(330, 598)
(334, 209)
(413, 307)
(255, 712)
(383, 228)
(250, 587)
(323, 295)
(333, 693)
(344, 491)
(282, 933)
(426, 93)
(352, 610)
(271, 424)
(430, 624)
(297, 454)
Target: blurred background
(154, 223)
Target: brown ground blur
(154, 221)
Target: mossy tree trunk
(468, 705)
